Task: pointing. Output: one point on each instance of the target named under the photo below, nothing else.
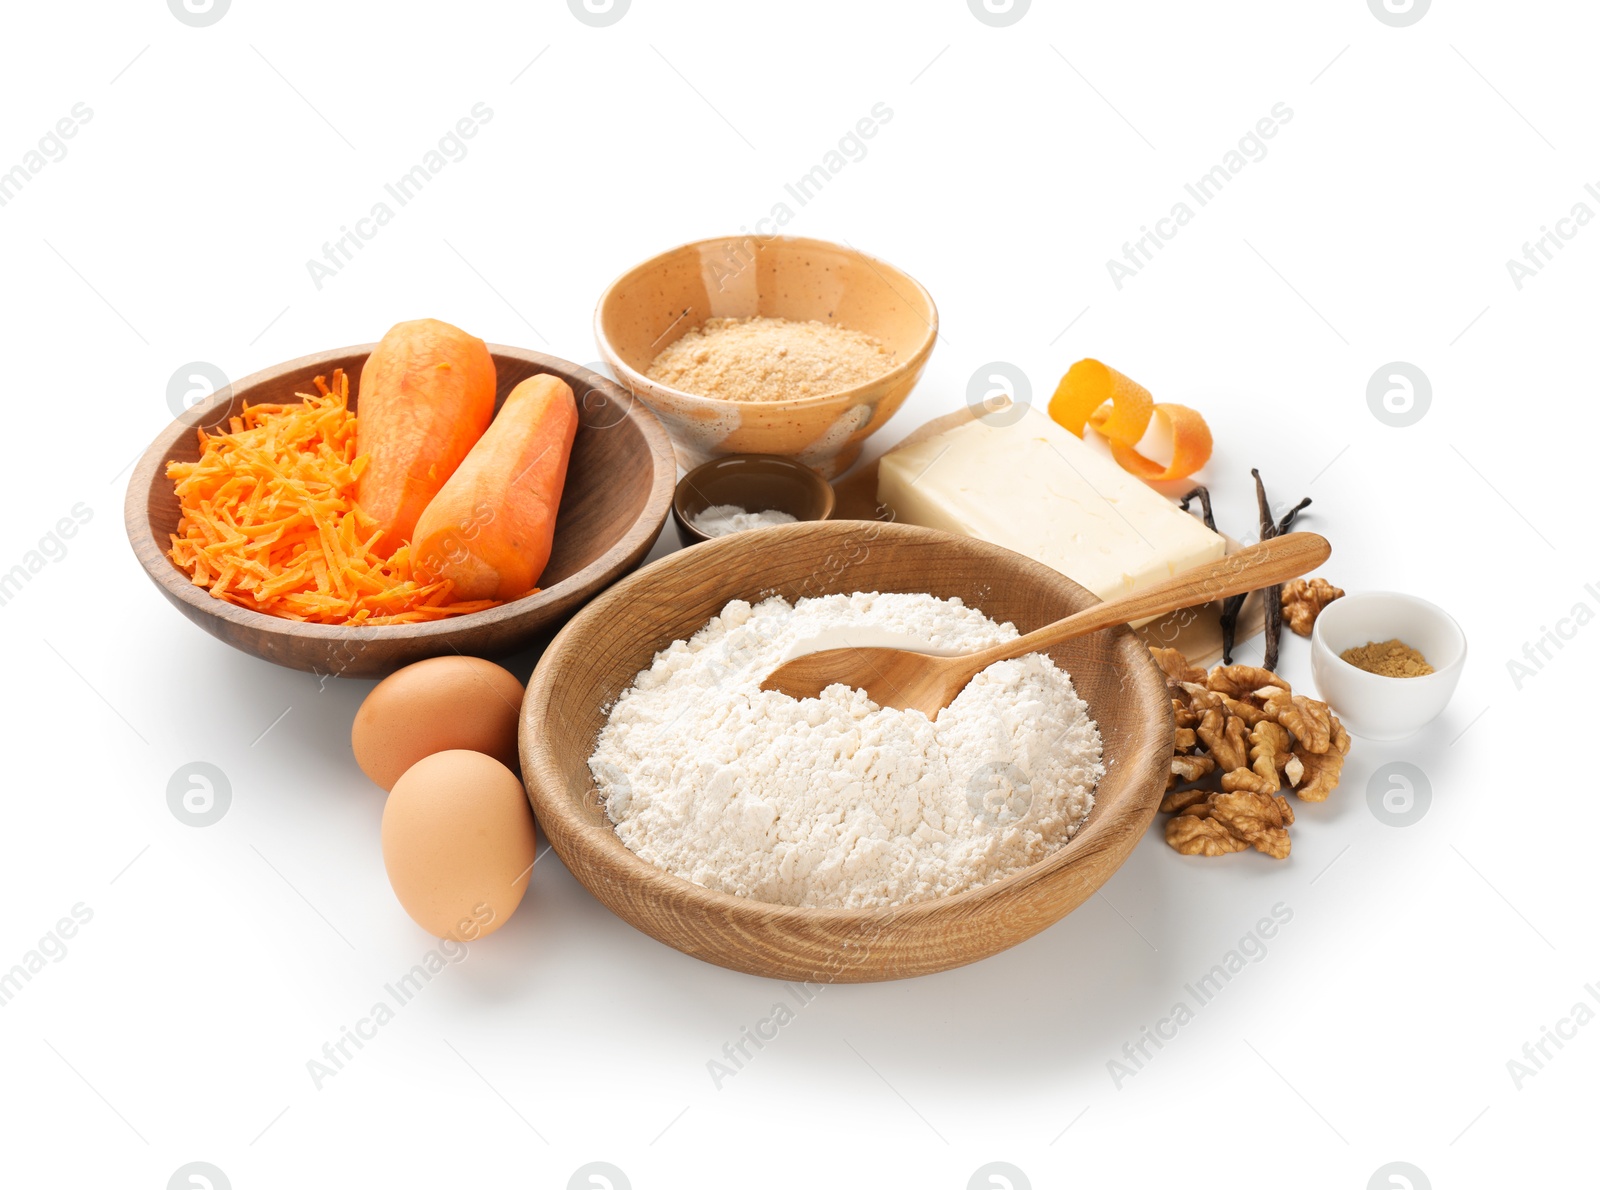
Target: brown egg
(458, 843)
(434, 705)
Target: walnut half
(1191, 835)
(1303, 601)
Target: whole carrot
(426, 395)
(491, 527)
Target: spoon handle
(1264, 564)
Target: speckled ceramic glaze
(653, 304)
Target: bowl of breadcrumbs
(767, 345)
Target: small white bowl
(1371, 705)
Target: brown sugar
(769, 359)
(1388, 659)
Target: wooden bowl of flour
(598, 654)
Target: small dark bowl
(756, 483)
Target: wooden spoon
(927, 683)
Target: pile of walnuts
(1243, 736)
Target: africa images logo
(599, 13)
(999, 13)
(999, 394)
(1399, 13)
(198, 794)
(1399, 394)
(197, 14)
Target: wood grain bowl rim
(568, 826)
(637, 381)
(178, 585)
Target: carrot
(268, 521)
(490, 529)
(426, 395)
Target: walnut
(1176, 666)
(1269, 752)
(1253, 818)
(1275, 843)
(1248, 781)
(1182, 799)
(1249, 712)
(1224, 736)
(1183, 739)
(1191, 766)
(1322, 776)
(1310, 721)
(1183, 714)
(1238, 680)
(1191, 835)
(1269, 744)
(1295, 769)
(1284, 809)
(1322, 769)
(1202, 698)
(1186, 768)
(1303, 601)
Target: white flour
(722, 519)
(836, 802)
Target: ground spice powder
(1388, 659)
(769, 359)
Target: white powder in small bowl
(836, 802)
(721, 519)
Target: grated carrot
(269, 521)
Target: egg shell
(458, 843)
(432, 706)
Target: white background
(1418, 960)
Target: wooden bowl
(755, 483)
(653, 304)
(599, 652)
(618, 492)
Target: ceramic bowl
(600, 652)
(755, 483)
(1371, 705)
(653, 304)
(619, 486)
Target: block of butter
(1034, 488)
